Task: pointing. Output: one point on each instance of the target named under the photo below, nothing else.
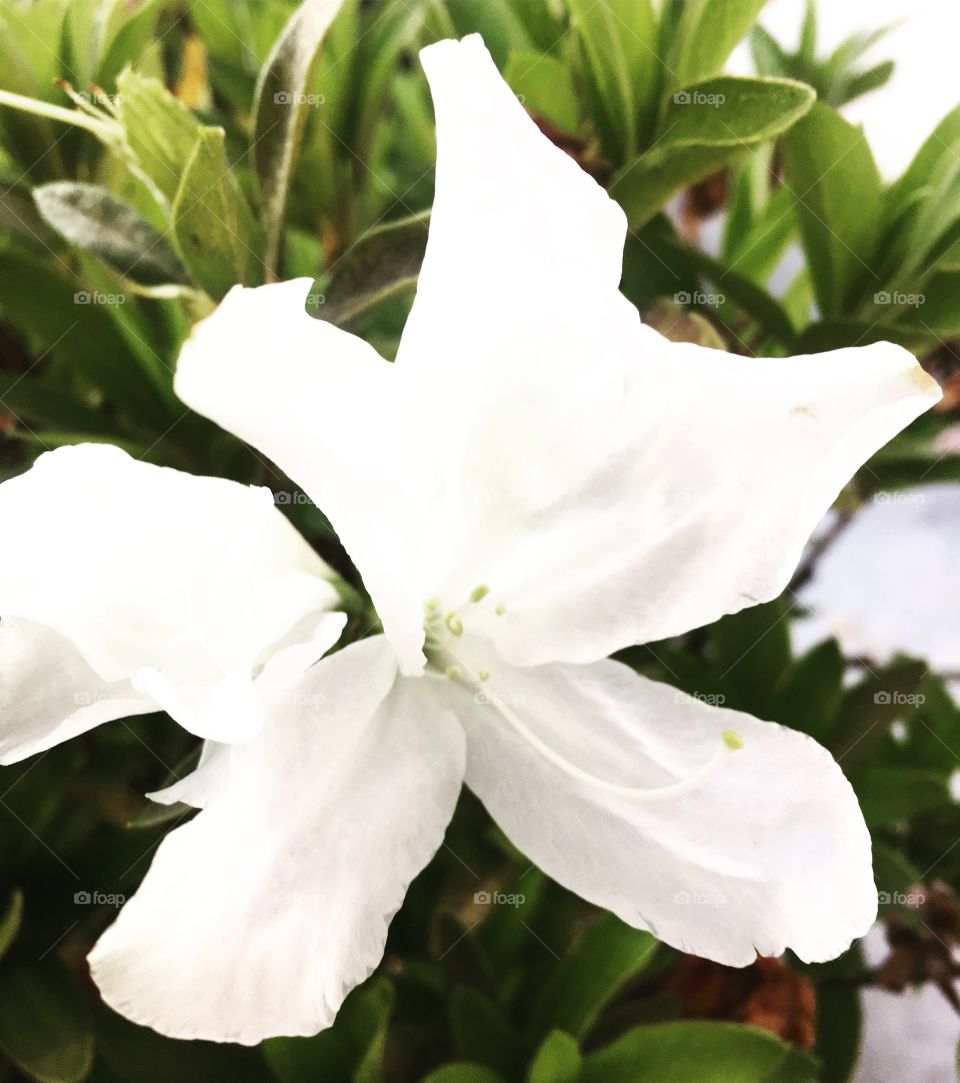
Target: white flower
(537, 482)
(890, 583)
(126, 588)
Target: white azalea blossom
(541, 482)
(127, 588)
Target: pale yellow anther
(501, 609)
(732, 740)
(479, 593)
(453, 672)
(454, 624)
(484, 674)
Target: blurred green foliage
(204, 143)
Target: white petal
(518, 335)
(258, 916)
(715, 475)
(890, 583)
(177, 586)
(49, 694)
(768, 852)
(325, 407)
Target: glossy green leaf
(705, 37)
(95, 220)
(839, 197)
(609, 955)
(621, 69)
(557, 1060)
(545, 87)
(685, 1051)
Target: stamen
(501, 609)
(454, 624)
(453, 672)
(484, 674)
(479, 593)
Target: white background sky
(925, 84)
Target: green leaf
(95, 220)
(753, 299)
(938, 147)
(888, 795)
(685, 1051)
(462, 1072)
(45, 1025)
(10, 922)
(936, 308)
(622, 73)
(130, 41)
(838, 1031)
(868, 709)
(751, 652)
(482, 1032)
(32, 400)
(385, 261)
(213, 225)
(809, 694)
(160, 131)
(865, 81)
(545, 87)
(706, 35)
(839, 195)
(280, 105)
(704, 128)
(609, 955)
(557, 1060)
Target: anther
(454, 624)
(479, 593)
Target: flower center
(443, 629)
